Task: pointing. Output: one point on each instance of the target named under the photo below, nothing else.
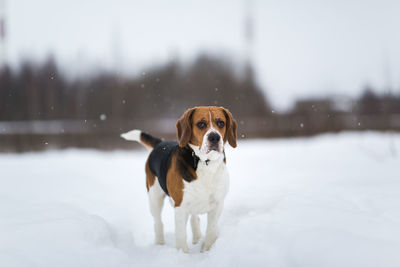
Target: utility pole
(3, 33)
(387, 74)
(3, 57)
(248, 38)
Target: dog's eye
(220, 124)
(201, 125)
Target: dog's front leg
(181, 217)
(211, 232)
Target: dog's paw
(208, 242)
(196, 239)
(205, 247)
(184, 248)
(160, 242)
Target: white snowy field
(332, 200)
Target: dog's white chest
(209, 189)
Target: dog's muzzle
(213, 141)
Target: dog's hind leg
(195, 222)
(156, 201)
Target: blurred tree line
(41, 92)
(40, 105)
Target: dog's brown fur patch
(185, 170)
(231, 128)
(175, 182)
(150, 177)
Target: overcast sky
(301, 48)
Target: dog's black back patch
(160, 162)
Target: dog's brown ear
(231, 128)
(184, 128)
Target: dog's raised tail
(145, 139)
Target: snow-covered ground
(332, 200)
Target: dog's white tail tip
(133, 135)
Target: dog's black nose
(213, 138)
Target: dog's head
(207, 128)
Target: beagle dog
(191, 172)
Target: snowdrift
(332, 200)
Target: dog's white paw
(196, 238)
(160, 241)
(205, 247)
(182, 247)
(159, 238)
(208, 242)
